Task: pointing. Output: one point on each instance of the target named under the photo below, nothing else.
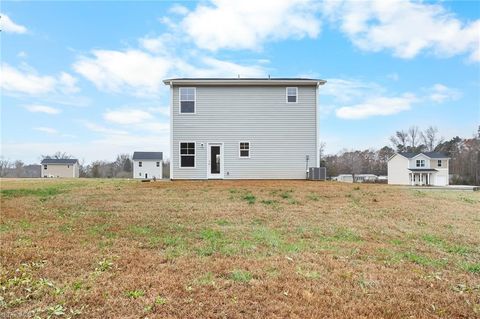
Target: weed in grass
(141, 230)
(314, 197)
(57, 311)
(25, 224)
(286, 194)
(101, 230)
(268, 237)
(458, 249)
(433, 240)
(77, 285)
(473, 268)
(222, 222)
(160, 300)
(396, 242)
(292, 201)
(104, 265)
(423, 260)
(468, 200)
(343, 234)
(4, 228)
(309, 274)
(134, 294)
(418, 193)
(207, 279)
(239, 275)
(250, 198)
(269, 202)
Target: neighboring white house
(60, 167)
(147, 165)
(243, 128)
(426, 168)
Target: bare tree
(431, 139)
(19, 170)
(321, 151)
(414, 134)
(4, 166)
(400, 140)
(58, 155)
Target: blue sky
(86, 77)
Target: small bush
(250, 198)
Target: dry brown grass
(243, 249)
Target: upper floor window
(420, 163)
(244, 149)
(44, 166)
(158, 164)
(139, 164)
(439, 163)
(187, 100)
(292, 94)
(187, 154)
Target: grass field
(243, 249)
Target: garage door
(441, 180)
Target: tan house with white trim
(60, 168)
(425, 168)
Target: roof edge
(243, 81)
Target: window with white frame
(158, 164)
(439, 163)
(139, 164)
(420, 163)
(187, 100)
(45, 166)
(292, 94)
(244, 149)
(187, 154)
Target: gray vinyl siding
(281, 134)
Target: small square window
(439, 163)
(244, 149)
(292, 94)
(139, 164)
(158, 164)
(44, 166)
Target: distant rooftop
(428, 154)
(59, 161)
(244, 81)
(148, 156)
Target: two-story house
(147, 165)
(60, 167)
(426, 168)
(243, 128)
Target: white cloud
(347, 90)
(47, 130)
(8, 26)
(35, 108)
(27, 81)
(440, 93)
(178, 9)
(19, 81)
(127, 116)
(247, 24)
(377, 106)
(141, 73)
(407, 28)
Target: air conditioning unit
(317, 173)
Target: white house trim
(249, 149)
(180, 155)
(296, 94)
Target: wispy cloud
(48, 130)
(35, 108)
(379, 106)
(127, 116)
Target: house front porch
(422, 177)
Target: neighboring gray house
(426, 168)
(147, 165)
(243, 128)
(60, 167)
